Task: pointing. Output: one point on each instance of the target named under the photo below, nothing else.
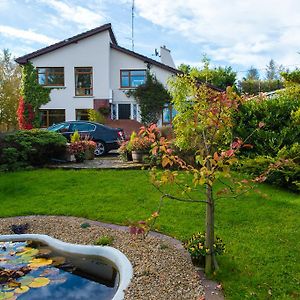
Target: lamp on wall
(148, 65)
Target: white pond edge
(121, 262)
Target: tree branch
(184, 200)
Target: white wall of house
(122, 61)
(93, 52)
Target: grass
(261, 235)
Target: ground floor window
(82, 114)
(49, 117)
(168, 114)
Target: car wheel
(100, 148)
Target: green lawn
(261, 235)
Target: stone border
(115, 256)
(211, 288)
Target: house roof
(159, 64)
(24, 59)
(144, 58)
(114, 45)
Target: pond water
(31, 270)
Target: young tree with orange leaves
(203, 126)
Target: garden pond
(32, 270)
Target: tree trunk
(209, 237)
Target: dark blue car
(106, 138)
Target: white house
(90, 71)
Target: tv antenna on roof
(132, 25)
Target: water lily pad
(6, 295)
(28, 252)
(14, 284)
(39, 262)
(26, 280)
(39, 282)
(22, 289)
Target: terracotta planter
(138, 156)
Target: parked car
(106, 138)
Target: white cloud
(26, 35)
(239, 32)
(69, 11)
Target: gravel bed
(161, 270)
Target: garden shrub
(196, 247)
(104, 241)
(280, 128)
(30, 148)
(287, 176)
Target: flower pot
(129, 156)
(79, 157)
(89, 154)
(138, 156)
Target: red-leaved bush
(25, 115)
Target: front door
(124, 111)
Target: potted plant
(125, 151)
(78, 150)
(90, 147)
(77, 147)
(141, 146)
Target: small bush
(85, 225)
(278, 115)
(196, 247)
(104, 241)
(30, 148)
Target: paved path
(109, 161)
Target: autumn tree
(203, 125)
(9, 90)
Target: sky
(233, 33)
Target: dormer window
(132, 78)
(51, 76)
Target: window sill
(128, 88)
(89, 96)
(54, 87)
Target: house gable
(24, 59)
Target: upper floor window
(51, 76)
(132, 78)
(84, 81)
